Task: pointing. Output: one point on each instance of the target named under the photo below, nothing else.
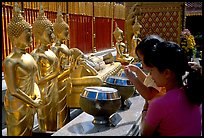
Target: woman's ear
(168, 73)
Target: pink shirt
(174, 115)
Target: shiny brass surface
(61, 31)
(101, 102)
(48, 71)
(123, 85)
(121, 48)
(22, 95)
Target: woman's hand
(129, 74)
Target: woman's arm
(146, 130)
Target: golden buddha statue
(135, 39)
(22, 95)
(134, 11)
(61, 31)
(121, 48)
(48, 71)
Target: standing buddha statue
(48, 71)
(135, 39)
(22, 94)
(61, 31)
(121, 48)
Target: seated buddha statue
(121, 55)
(20, 69)
(61, 31)
(48, 71)
(135, 39)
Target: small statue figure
(48, 71)
(22, 95)
(61, 31)
(135, 39)
(121, 48)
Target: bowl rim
(131, 85)
(119, 98)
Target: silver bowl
(100, 102)
(125, 88)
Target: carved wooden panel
(163, 20)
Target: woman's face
(141, 58)
(158, 77)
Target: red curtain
(81, 32)
(121, 25)
(103, 33)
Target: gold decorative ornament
(20, 70)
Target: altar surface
(129, 125)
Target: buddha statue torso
(22, 95)
(48, 70)
(64, 82)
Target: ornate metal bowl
(125, 88)
(101, 102)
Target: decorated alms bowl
(123, 85)
(100, 102)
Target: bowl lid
(100, 93)
(118, 80)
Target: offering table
(129, 125)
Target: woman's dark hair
(146, 45)
(169, 55)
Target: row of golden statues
(40, 82)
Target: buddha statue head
(43, 29)
(136, 27)
(61, 28)
(118, 33)
(19, 31)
